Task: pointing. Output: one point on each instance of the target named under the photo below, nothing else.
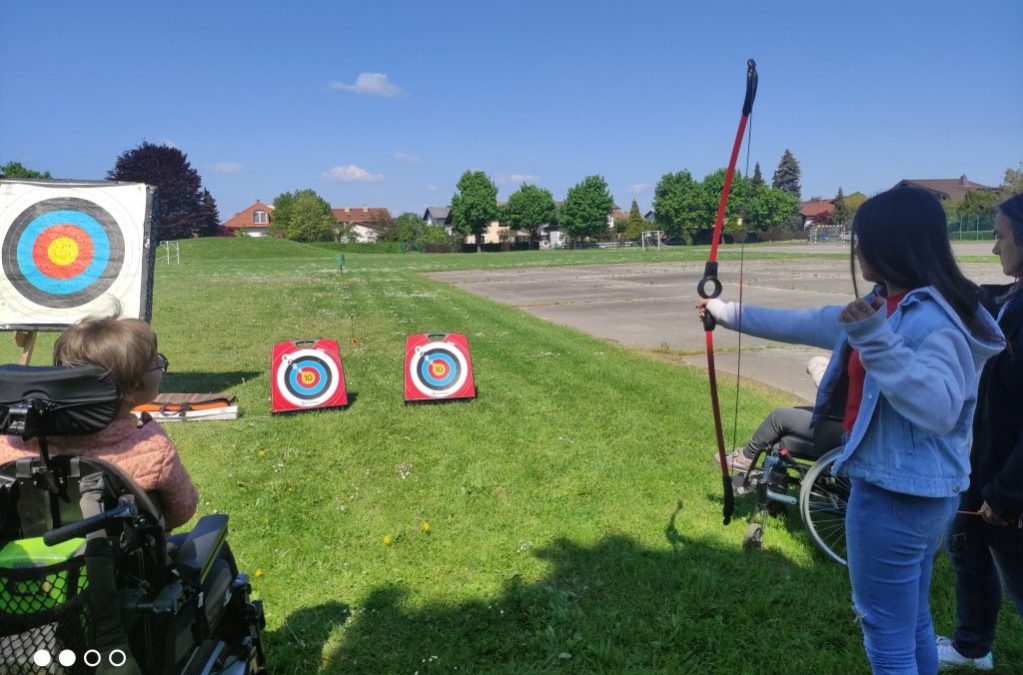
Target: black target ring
(33, 284)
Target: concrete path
(651, 305)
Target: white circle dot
(91, 654)
(67, 658)
(121, 656)
(42, 658)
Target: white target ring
(438, 356)
(296, 377)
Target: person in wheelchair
(127, 350)
(101, 579)
(791, 423)
(908, 357)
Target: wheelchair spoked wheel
(823, 499)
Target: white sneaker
(949, 657)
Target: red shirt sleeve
(857, 374)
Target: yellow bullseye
(307, 378)
(62, 251)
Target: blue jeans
(891, 539)
(984, 558)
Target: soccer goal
(651, 239)
(827, 234)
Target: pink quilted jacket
(143, 451)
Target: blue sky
(387, 103)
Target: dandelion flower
(425, 527)
(387, 540)
(258, 573)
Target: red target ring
(63, 251)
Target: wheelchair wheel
(823, 498)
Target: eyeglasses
(161, 364)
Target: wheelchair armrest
(196, 554)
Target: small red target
(306, 375)
(438, 367)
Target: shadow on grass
(202, 383)
(615, 606)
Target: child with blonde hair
(127, 349)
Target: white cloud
(350, 174)
(227, 167)
(431, 187)
(405, 158)
(636, 188)
(518, 178)
(372, 84)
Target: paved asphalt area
(651, 305)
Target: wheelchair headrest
(64, 401)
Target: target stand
(438, 367)
(69, 250)
(306, 375)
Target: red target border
(455, 344)
(325, 351)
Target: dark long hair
(1012, 209)
(903, 235)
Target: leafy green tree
(978, 203)
(739, 200)
(678, 203)
(841, 212)
(303, 215)
(769, 208)
(410, 227)
(635, 225)
(183, 207)
(786, 176)
(530, 207)
(211, 214)
(758, 178)
(13, 170)
(474, 206)
(435, 234)
(853, 202)
(1012, 183)
(586, 207)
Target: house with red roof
(946, 189)
(815, 210)
(253, 221)
(361, 224)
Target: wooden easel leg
(27, 341)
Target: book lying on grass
(190, 407)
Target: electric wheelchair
(86, 577)
(796, 472)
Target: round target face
(62, 252)
(307, 377)
(438, 369)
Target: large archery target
(62, 253)
(438, 369)
(307, 378)
(72, 250)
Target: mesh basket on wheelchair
(85, 565)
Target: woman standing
(909, 378)
(985, 541)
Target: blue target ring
(303, 368)
(76, 275)
(438, 369)
(78, 283)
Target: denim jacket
(913, 431)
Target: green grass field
(574, 513)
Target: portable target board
(69, 250)
(306, 375)
(438, 367)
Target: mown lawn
(573, 510)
